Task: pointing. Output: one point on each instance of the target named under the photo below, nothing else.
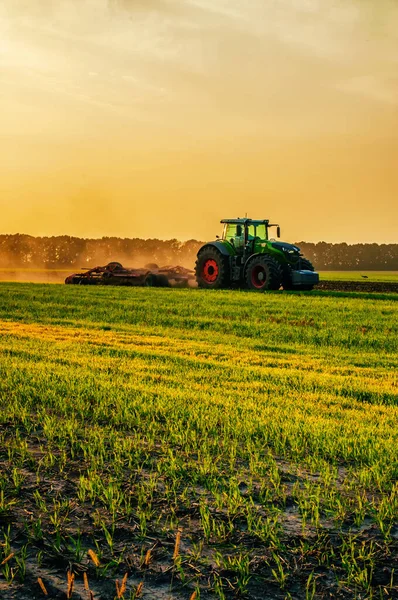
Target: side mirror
(278, 231)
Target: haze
(156, 118)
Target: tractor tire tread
(274, 275)
(223, 278)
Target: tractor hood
(285, 247)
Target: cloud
(148, 53)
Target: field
(383, 276)
(382, 282)
(207, 444)
(59, 275)
(359, 281)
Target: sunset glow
(157, 118)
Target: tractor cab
(235, 234)
(246, 235)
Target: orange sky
(157, 118)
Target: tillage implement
(245, 256)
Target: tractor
(245, 256)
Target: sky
(158, 118)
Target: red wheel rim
(210, 270)
(259, 276)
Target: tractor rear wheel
(263, 273)
(211, 269)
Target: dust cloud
(51, 260)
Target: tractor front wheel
(211, 269)
(306, 265)
(263, 273)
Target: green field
(209, 444)
(384, 276)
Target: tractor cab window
(235, 235)
(251, 232)
(261, 231)
(256, 231)
(230, 231)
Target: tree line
(64, 252)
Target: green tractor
(246, 257)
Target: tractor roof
(245, 221)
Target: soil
(58, 276)
(161, 579)
(384, 287)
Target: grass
(208, 444)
